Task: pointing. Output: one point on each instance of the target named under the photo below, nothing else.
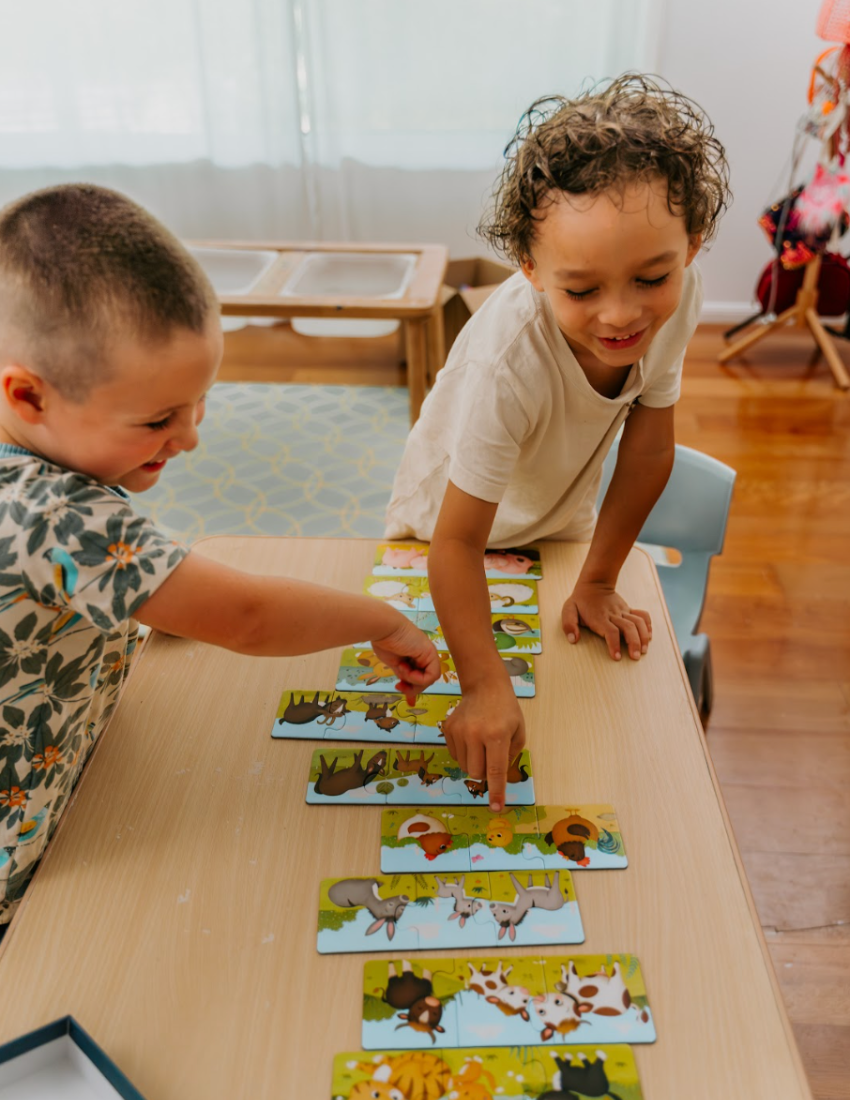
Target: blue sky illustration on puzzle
(449, 792)
(538, 926)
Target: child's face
(612, 268)
(128, 428)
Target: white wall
(747, 63)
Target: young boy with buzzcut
(604, 202)
(109, 341)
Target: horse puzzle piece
(362, 670)
(521, 838)
(517, 1002)
(410, 559)
(308, 714)
(562, 1073)
(423, 912)
(414, 594)
(412, 777)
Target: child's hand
(600, 609)
(485, 733)
(410, 654)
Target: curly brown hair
(634, 128)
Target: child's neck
(607, 381)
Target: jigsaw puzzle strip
(308, 714)
(420, 776)
(410, 559)
(427, 912)
(362, 670)
(519, 838)
(515, 1002)
(437, 1074)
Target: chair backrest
(691, 513)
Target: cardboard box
(467, 285)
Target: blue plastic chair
(690, 516)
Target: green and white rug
(286, 460)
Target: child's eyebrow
(163, 412)
(661, 258)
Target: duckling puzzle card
(414, 594)
(352, 716)
(519, 838)
(411, 777)
(410, 559)
(362, 670)
(560, 1073)
(517, 1002)
(426, 912)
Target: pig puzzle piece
(423, 912)
(309, 714)
(362, 670)
(410, 559)
(520, 1001)
(414, 777)
(413, 594)
(556, 1074)
(519, 838)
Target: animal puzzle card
(362, 670)
(520, 838)
(426, 912)
(517, 1002)
(368, 777)
(410, 559)
(353, 716)
(511, 633)
(413, 594)
(560, 1073)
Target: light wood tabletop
(175, 913)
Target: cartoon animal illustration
(298, 712)
(493, 985)
(517, 772)
(508, 915)
(467, 1084)
(476, 787)
(505, 630)
(413, 1075)
(429, 833)
(333, 783)
(356, 893)
(508, 594)
(379, 713)
(395, 593)
(406, 991)
(516, 666)
(500, 832)
(602, 993)
(580, 1078)
(405, 557)
(464, 908)
(407, 763)
(560, 1012)
(375, 668)
(507, 561)
(449, 713)
(570, 835)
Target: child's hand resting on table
(485, 733)
(598, 607)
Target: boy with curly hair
(604, 202)
(109, 341)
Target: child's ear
(694, 245)
(529, 270)
(24, 392)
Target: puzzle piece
(412, 841)
(585, 836)
(506, 596)
(496, 1007)
(512, 633)
(535, 907)
(409, 1004)
(602, 998)
(403, 593)
(416, 776)
(410, 559)
(586, 1071)
(362, 670)
(498, 842)
(450, 906)
(353, 910)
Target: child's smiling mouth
(618, 343)
(153, 466)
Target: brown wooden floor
(778, 614)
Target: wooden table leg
(436, 339)
(417, 363)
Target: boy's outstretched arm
(486, 730)
(644, 462)
(279, 617)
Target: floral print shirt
(76, 562)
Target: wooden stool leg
(839, 371)
(436, 338)
(417, 364)
(759, 334)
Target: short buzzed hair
(82, 267)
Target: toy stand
(803, 314)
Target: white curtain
(350, 119)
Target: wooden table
(419, 309)
(175, 913)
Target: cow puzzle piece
(597, 998)
(412, 1003)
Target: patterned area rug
(286, 460)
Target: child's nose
(186, 439)
(619, 312)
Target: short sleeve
(491, 424)
(668, 356)
(86, 549)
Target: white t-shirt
(513, 420)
